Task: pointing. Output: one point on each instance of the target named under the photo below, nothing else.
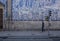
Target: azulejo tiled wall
(3, 1)
(34, 9)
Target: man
(42, 26)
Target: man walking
(42, 26)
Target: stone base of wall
(31, 25)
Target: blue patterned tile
(33, 8)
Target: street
(22, 39)
(29, 36)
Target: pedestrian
(42, 26)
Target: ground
(29, 36)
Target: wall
(32, 25)
(26, 14)
(35, 9)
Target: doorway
(1, 18)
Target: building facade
(28, 14)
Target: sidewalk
(26, 34)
